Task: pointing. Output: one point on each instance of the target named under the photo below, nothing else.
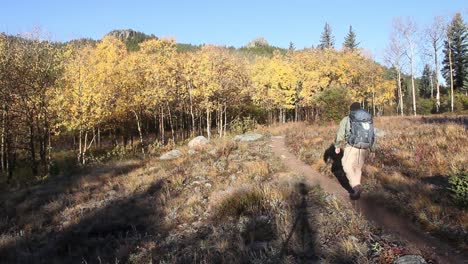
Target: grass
(410, 173)
(230, 202)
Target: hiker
(356, 135)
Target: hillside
(130, 37)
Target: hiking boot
(356, 194)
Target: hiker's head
(354, 106)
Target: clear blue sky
(224, 22)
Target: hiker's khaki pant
(353, 161)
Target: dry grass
(410, 173)
(228, 203)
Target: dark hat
(355, 106)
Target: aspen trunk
(99, 137)
(170, 122)
(83, 158)
(225, 119)
(373, 103)
(400, 93)
(200, 122)
(80, 147)
(451, 76)
(161, 125)
(412, 80)
(139, 133)
(191, 110)
(208, 123)
(432, 88)
(436, 78)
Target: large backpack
(362, 129)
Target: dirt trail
(380, 216)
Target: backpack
(362, 129)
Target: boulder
(198, 142)
(248, 137)
(410, 259)
(173, 154)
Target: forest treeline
(83, 95)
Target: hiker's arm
(340, 140)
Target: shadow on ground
(461, 120)
(329, 156)
(96, 235)
(302, 230)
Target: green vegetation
(459, 188)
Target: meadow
(419, 170)
(229, 202)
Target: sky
(230, 23)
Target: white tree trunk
(400, 93)
(208, 123)
(412, 78)
(451, 76)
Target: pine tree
(457, 39)
(327, 40)
(350, 40)
(465, 85)
(425, 83)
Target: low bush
(242, 125)
(459, 189)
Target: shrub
(242, 202)
(334, 103)
(461, 102)
(459, 189)
(425, 106)
(240, 126)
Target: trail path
(380, 216)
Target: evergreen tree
(292, 47)
(425, 82)
(457, 38)
(327, 40)
(350, 40)
(465, 84)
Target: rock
(379, 132)
(410, 259)
(248, 137)
(198, 142)
(173, 154)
